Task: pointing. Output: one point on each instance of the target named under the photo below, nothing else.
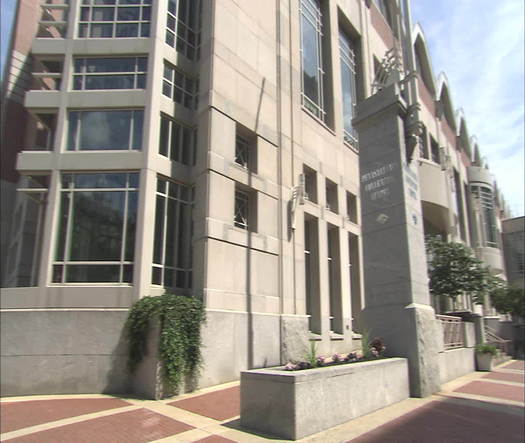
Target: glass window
(310, 184)
(96, 234)
(331, 196)
(183, 27)
(242, 151)
(172, 251)
(109, 19)
(181, 88)
(110, 73)
(347, 54)
(485, 199)
(177, 141)
(24, 248)
(312, 57)
(434, 151)
(105, 130)
(242, 212)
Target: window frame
(138, 74)
(348, 56)
(61, 264)
(132, 124)
(143, 25)
(170, 81)
(30, 189)
(241, 215)
(310, 10)
(178, 29)
(183, 151)
(162, 268)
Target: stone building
(213, 148)
(513, 233)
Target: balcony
(479, 174)
(435, 200)
(53, 21)
(46, 84)
(433, 183)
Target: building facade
(513, 233)
(208, 148)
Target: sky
(479, 44)
(7, 12)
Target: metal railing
(492, 338)
(452, 331)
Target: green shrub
(485, 348)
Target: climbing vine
(180, 320)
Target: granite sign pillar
(397, 300)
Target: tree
(509, 300)
(453, 270)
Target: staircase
(500, 343)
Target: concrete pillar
(479, 327)
(397, 300)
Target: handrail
(452, 331)
(496, 340)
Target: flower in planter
(351, 356)
(290, 366)
(304, 365)
(377, 346)
(338, 358)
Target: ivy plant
(180, 319)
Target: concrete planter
(294, 404)
(484, 361)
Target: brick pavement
(481, 407)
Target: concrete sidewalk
(479, 407)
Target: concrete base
(411, 332)
(294, 404)
(456, 363)
(63, 352)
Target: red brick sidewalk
(472, 412)
(114, 420)
(485, 408)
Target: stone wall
(63, 352)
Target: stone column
(397, 300)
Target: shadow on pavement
(453, 420)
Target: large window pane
(21, 258)
(105, 130)
(348, 86)
(184, 16)
(97, 223)
(97, 227)
(104, 19)
(110, 73)
(312, 57)
(177, 141)
(310, 62)
(93, 273)
(172, 245)
(180, 87)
